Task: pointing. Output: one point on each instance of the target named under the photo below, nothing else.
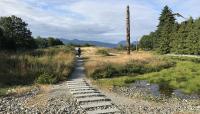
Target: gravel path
(57, 100)
(130, 101)
(88, 98)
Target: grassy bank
(173, 72)
(44, 66)
(185, 76)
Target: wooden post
(128, 36)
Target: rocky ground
(132, 101)
(55, 99)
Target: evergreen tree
(195, 35)
(165, 29)
(171, 37)
(146, 42)
(191, 40)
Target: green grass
(179, 58)
(185, 76)
(3, 91)
(117, 81)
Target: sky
(99, 20)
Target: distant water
(160, 90)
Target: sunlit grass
(118, 58)
(24, 68)
(175, 72)
(184, 76)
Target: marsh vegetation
(44, 66)
(119, 70)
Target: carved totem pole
(128, 36)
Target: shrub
(103, 52)
(46, 78)
(107, 71)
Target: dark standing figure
(79, 51)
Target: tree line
(15, 35)
(173, 37)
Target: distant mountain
(123, 42)
(82, 42)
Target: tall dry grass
(118, 58)
(21, 68)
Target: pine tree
(173, 38)
(180, 39)
(165, 29)
(146, 42)
(191, 41)
(195, 33)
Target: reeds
(26, 67)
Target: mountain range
(96, 43)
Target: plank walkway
(90, 100)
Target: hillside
(82, 42)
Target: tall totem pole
(128, 36)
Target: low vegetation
(103, 52)
(132, 68)
(185, 76)
(49, 65)
(172, 72)
(96, 61)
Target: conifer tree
(165, 29)
(191, 39)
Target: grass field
(174, 72)
(44, 66)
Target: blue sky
(100, 20)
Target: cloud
(101, 20)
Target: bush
(107, 71)
(103, 52)
(46, 78)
